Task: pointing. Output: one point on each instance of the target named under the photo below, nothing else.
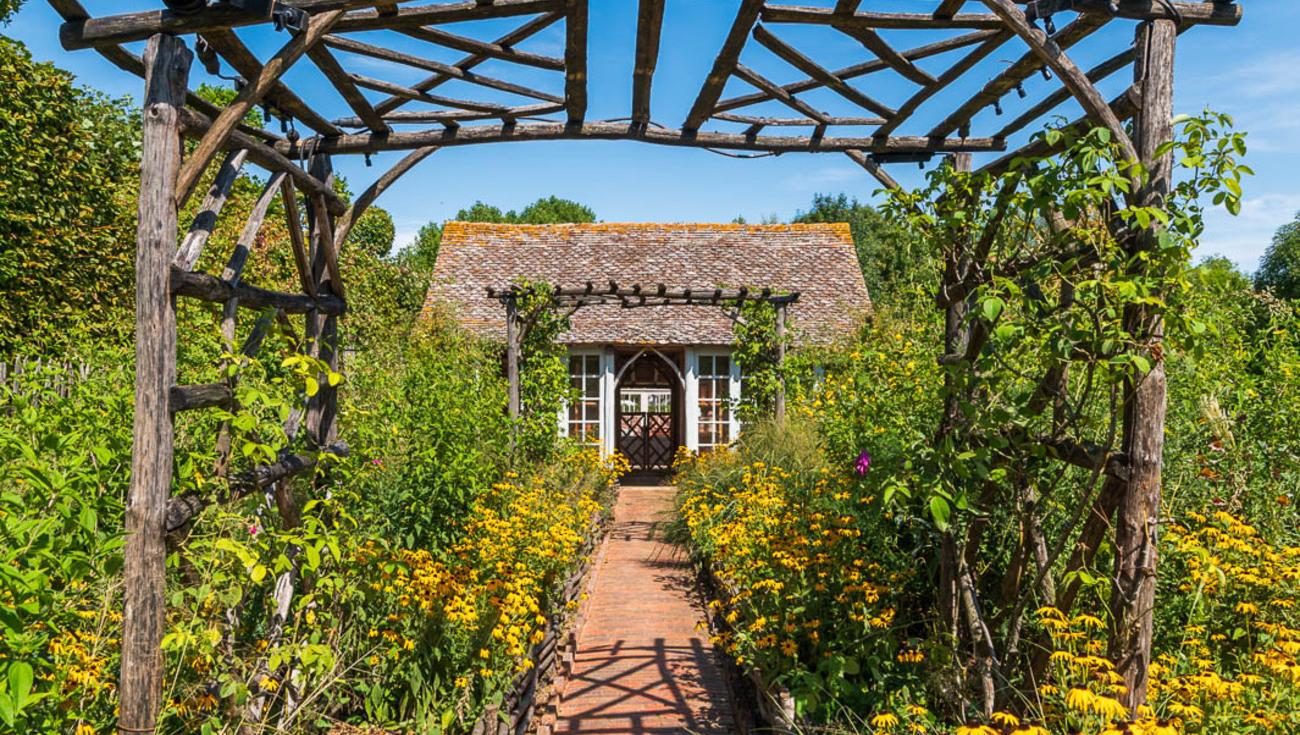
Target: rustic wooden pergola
(418, 118)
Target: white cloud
(1244, 238)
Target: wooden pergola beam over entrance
(631, 297)
(373, 114)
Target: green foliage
(1279, 270)
(8, 8)
(222, 96)
(543, 371)
(891, 263)
(68, 172)
(545, 211)
(422, 254)
(374, 232)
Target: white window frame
(731, 401)
(604, 420)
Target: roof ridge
(452, 228)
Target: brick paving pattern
(641, 667)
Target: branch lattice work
(369, 76)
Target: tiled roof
(817, 260)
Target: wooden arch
(333, 35)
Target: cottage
(653, 378)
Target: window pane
(722, 365)
(592, 388)
(591, 410)
(706, 389)
(706, 435)
(593, 364)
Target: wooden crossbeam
(948, 77)
(806, 65)
(1061, 94)
(1186, 13)
(423, 15)
(637, 294)
(1124, 107)
(828, 16)
(265, 156)
(181, 509)
(523, 132)
(862, 69)
(1027, 65)
(489, 49)
(886, 53)
(112, 30)
(763, 83)
(242, 60)
(419, 62)
(726, 60)
(215, 138)
(797, 121)
(338, 76)
(343, 227)
(453, 118)
(650, 19)
(475, 58)
(575, 60)
(1070, 75)
(207, 287)
(874, 168)
(398, 90)
(206, 220)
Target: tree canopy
(1279, 270)
(68, 167)
(888, 260)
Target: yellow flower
(1005, 719)
(885, 721)
(1079, 700)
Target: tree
(1279, 270)
(8, 8)
(68, 172)
(374, 232)
(545, 211)
(481, 212)
(889, 263)
(423, 252)
(553, 210)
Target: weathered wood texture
(167, 63)
(1145, 399)
(207, 287)
(257, 88)
(650, 20)
(524, 132)
(723, 65)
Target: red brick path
(641, 667)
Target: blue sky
(1251, 71)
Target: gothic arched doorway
(649, 390)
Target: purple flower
(863, 464)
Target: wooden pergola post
(512, 357)
(167, 65)
(780, 363)
(322, 329)
(1145, 399)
